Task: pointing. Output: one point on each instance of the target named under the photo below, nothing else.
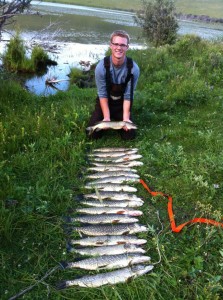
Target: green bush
(39, 57)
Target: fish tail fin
(69, 247)
(61, 285)
(63, 264)
(67, 219)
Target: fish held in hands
(110, 125)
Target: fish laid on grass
(112, 153)
(108, 240)
(107, 250)
(109, 168)
(123, 158)
(111, 174)
(106, 262)
(113, 149)
(132, 163)
(109, 210)
(111, 187)
(102, 219)
(114, 179)
(110, 125)
(111, 203)
(113, 277)
(96, 230)
(113, 196)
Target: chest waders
(115, 94)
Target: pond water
(78, 33)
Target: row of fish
(107, 217)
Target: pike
(102, 219)
(113, 277)
(123, 158)
(110, 125)
(106, 250)
(107, 240)
(114, 179)
(109, 210)
(113, 196)
(112, 174)
(106, 262)
(96, 230)
(133, 163)
(111, 203)
(111, 187)
(112, 149)
(111, 153)
(110, 167)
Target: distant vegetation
(213, 8)
(15, 58)
(179, 113)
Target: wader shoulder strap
(107, 75)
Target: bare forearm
(105, 109)
(126, 110)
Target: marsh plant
(15, 58)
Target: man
(116, 77)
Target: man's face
(119, 46)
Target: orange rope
(171, 214)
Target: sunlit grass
(43, 166)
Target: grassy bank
(212, 8)
(178, 109)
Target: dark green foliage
(158, 21)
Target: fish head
(140, 259)
(141, 269)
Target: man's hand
(125, 127)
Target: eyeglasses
(119, 45)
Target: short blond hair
(120, 33)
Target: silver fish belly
(108, 240)
(123, 158)
(96, 230)
(113, 149)
(109, 210)
(111, 203)
(108, 166)
(106, 262)
(111, 187)
(112, 174)
(101, 195)
(114, 179)
(111, 153)
(107, 250)
(103, 219)
(113, 277)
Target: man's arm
(105, 109)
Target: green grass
(212, 8)
(178, 109)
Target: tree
(9, 9)
(158, 21)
